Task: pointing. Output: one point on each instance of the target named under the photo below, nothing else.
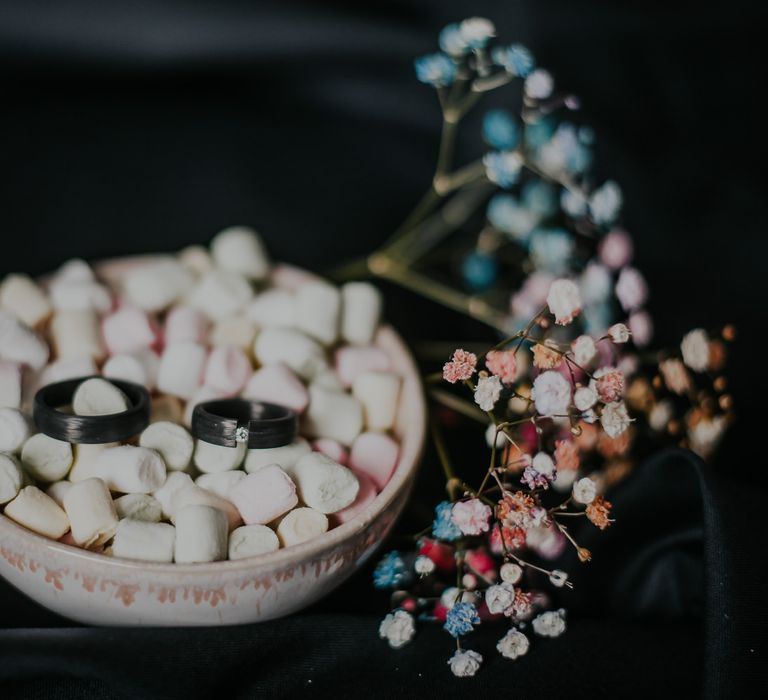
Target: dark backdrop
(132, 127)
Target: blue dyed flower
(503, 167)
(476, 32)
(551, 250)
(540, 197)
(516, 59)
(506, 215)
(539, 132)
(479, 271)
(390, 571)
(605, 203)
(452, 42)
(436, 69)
(460, 619)
(500, 130)
(443, 528)
(573, 203)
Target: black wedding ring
(229, 422)
(113, 427)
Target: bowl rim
(408, 464)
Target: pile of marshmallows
(198, 326)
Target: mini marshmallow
(318, 309)
(11, 384)
(183, 323)
(11, 478)
(92, 515)
(136, 539)
(75, 270)
(155, 285)
(76, 334)
(166, 408)
(57, 490)
(220, 294)
(220, 483)
(174, 483)
(201, 535)
(181, 369)
(204, 393)
(351, 361)
(128, 330)
(277, 384)
(21, 296)
(38, 512)
(299, 352)
(195, 495)
(334, 415)
(361, 312)
(227, 370)
(236, 332)
(140, 367)
(18, 343)
(376, 455)
(98, 397)
(240, 249)
(323, 484)
(285, 457)
(273, 308)
(301, 525)
(328, 379)
(139, 506)
(172, 441)
(331, 448)
(252, 540)
(129, 469)
(14, 430)
(85, 464)
(210, 458)
(196, 259)
(264, 495)
(79, 295)
(365, 497)
(67, 368)
(45, 458)
(378, 392)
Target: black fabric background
(130, 127)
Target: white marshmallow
(221, 294)
(46, 459)
(75, 270)
(63, 369)
(361, 312)
(210, 458)
(196, 259)
(14, 430)
(318, 309)
(277, 384)
(298, 351)
(21, 296)
(301, 525)
(285, 456)
(92, 515)
(195, 495)
(18, 343)
(136, 539)
(236, 332)
(227, 370)
(181, 369)
(378, 392)
(352, 360)
(323, 484)
(240, 249)
(140, 367)
(155, 285)
(328, 379)
(11, 384)
(183, 323)
(57, 490)
(201, 535)
(220, 483)
(129, 469)
(79, 295)
(252, 540)
(128, 330)
(334, 415)
(38, 512)
(98, 397)
(11, 478)
(273, 307)
(76, 335)
(174, 483)
(84, 464)
(139, 506)
(172, 441)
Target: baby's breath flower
(596, 284)
(503, 364)
(605, 203)
(499, 597)
(436, 69)
(503, 167)
(550, 624)
(616, 249)
(516, 59)
(619, 333)
(461, 366)
(552, 249)
(641, 327)
(567, 455)
(551, 393)
(500, 130)
(573, 202)
(460, 619)
(660, 415)
(539, 84)
(545, 355)
(564, 301)
(487, 392)
(695, 349)
(443, 527)
(507, 215)
(610, 384)
(452, 42)
(510, 573)
(584, 350)
(423, 566)
(390, 571)
(585, 397)
(615, 419)
(558, 578)
(631, 289)
(471, 517)
(465, 662)
(584, 491)
(513, 644)
(397, 628)
(675, 376)
(597, 512)
(476, 31)
(706, 433)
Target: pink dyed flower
(610, 384)
(619, 333)
(631, 289)
(641, 327)
(567, 455)
(675, 375)
(471, 517)
(564, 301)
(503, 364)
(616, 249)
(461, 366)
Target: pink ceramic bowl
(100, 590)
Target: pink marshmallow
(277, 384)
(365, 496)
(374, 454)
(352, 360)
(227, 370)
(264, 495)
(185, 323)
(128, 330)
(330, 448)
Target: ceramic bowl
(101, 590)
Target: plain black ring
(113, 427)
(229, 422)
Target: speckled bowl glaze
(100, 590)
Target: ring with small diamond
(232, 422)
